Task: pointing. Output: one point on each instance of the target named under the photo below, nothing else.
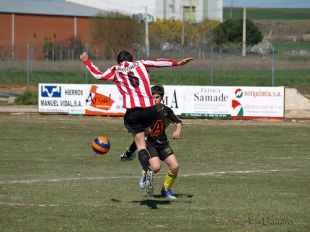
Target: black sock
(132, 148)
(144, 157)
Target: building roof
(48, 7)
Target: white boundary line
(31, 181)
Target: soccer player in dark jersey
(158, 145)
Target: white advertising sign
(80, 99)
(199, 101)
(220, 101)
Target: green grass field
(235, 175)
(268, 13)
(262, 77)
(289, 46)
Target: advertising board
(194, 101)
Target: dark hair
(124, 56)
(158, 89)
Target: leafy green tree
(231, 31)
(48, 47)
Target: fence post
(28, 63)
(211, 65)
(86, 71)
(60, 53)
(272, 70)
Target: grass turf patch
(234, 176)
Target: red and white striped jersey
(132, 79)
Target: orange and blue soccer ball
(101, 145)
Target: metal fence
(208, 59)
(64, 53)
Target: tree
(115, 32)
(48, 47)
(201, 32)
(76, 47)
(170, 31)
(231, 31)
(165, 31)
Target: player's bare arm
(177, 132)
(185, 61)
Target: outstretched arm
(94, 70)
(185, 61)
(160, 63)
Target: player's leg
(171, 176)
(136, 121)
(130, 153)
(168, 156)
(143, 154)
(146, 180)
(155, 164)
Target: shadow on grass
(178, 196)
(158, 200)
(152, 203)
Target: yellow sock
(169, 180)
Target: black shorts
(136, 120)
(163, 151)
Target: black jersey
(165, 116)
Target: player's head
(124, 56)
(158, 92)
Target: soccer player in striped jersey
(133, 82)
(158, 145)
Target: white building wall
(192, 10)
(215, 9)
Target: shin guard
(144, 157)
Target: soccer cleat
(142, 180)
(168, 193)
(149, 181)
(127, 156)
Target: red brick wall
(5, 33)
(33, 29)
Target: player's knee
(155, 167)
(155, 164)
(174, 168)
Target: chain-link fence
(65, 53)
(211, 60)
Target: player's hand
(84, 56)
(185, 61)
(176, 134)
